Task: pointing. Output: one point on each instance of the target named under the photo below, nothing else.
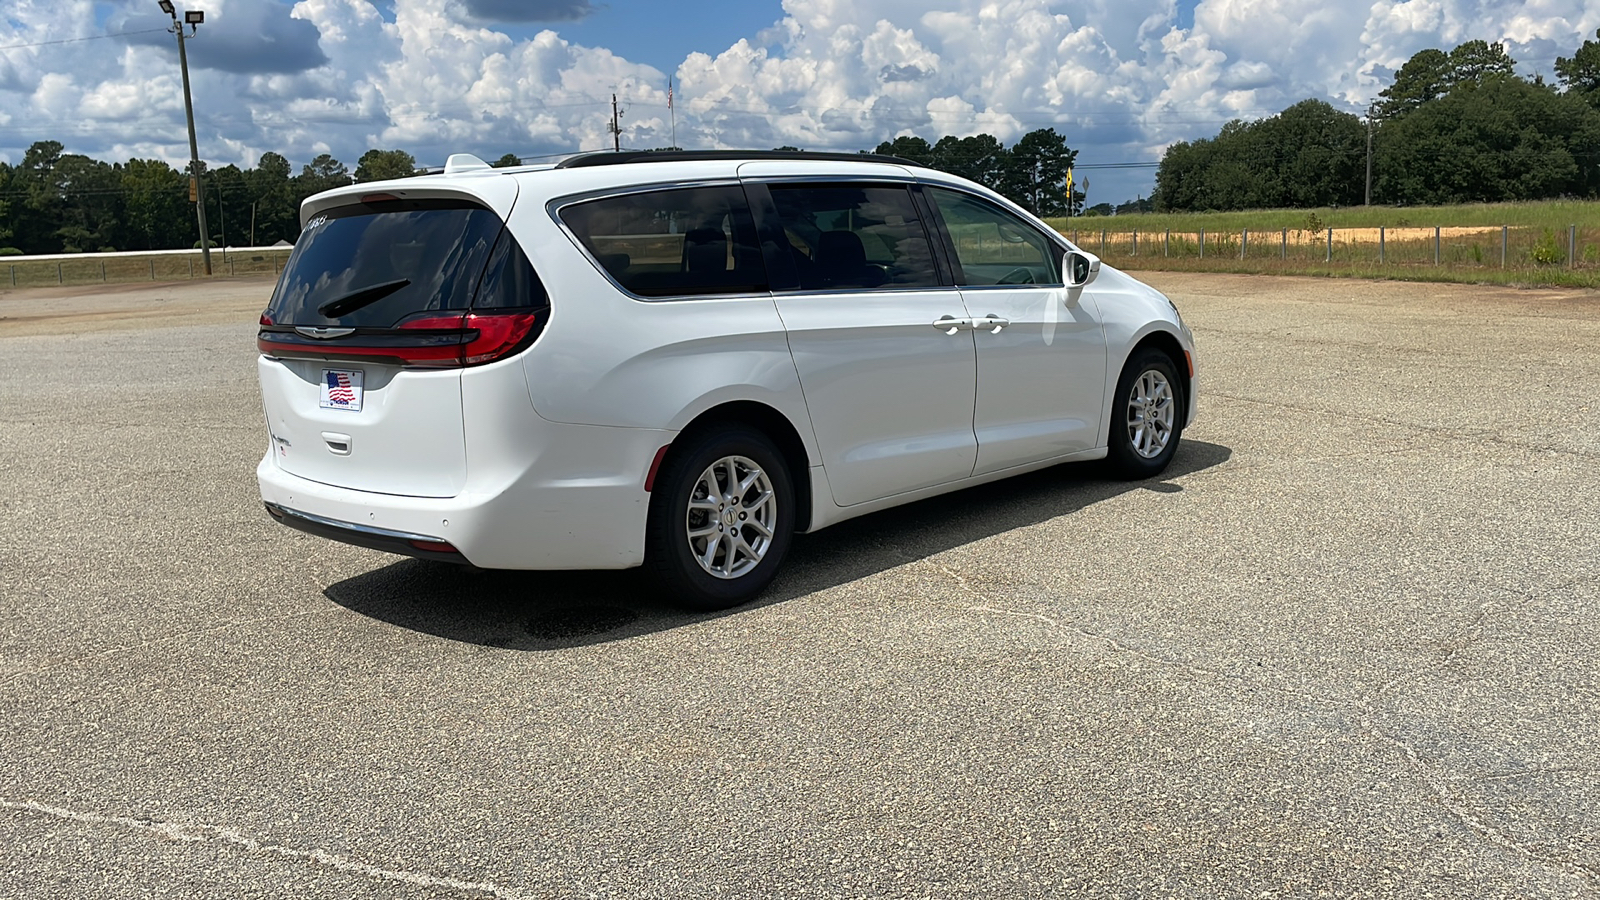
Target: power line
(78, 40)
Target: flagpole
(672, 113)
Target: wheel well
(1167, 343)
(777, 427)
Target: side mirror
(1081, 268)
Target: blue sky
(1121, 79)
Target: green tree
(1474, 61)
(1308, 155)
(907, 147)
(981, 158)
(277, 205)
(321, 174)
(1502, 139)
(1424, 77)
(507, 161)
(1037, 180)
(1580, 73)
(378, 165)
(157, 215)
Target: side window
(509, 281)
(993, 246)
(846, 236)
(673, 243)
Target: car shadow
(534, 611)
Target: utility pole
(1369, 156)
(192, 18)
(616, 129)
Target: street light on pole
(192, 18)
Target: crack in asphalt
(1464, 815)
(196, 833)
(1474, 632)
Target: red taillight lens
(498, 336)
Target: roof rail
(609, 158)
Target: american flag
(339, 389)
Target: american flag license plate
(341, 389)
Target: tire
(710, 570)
(1146, 416)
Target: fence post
(60, 278)
(1503, 246)
(102, 271)
(1102, 242)
(1572, 246)
(1244, 242)
(1136, 242)
(1436, 245)
(1283, 248)
(1380, 244)
(1202, 243)
(230, 265)
(152, 268)
(191, 267)
(1330, 243)
(13, 276)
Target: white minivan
(680, 359)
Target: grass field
(1546, 243)
(95, 269)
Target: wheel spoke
(761, 527)
(707, 531)
(760, 501)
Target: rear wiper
(354, 300)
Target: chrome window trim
(834, 292)
(554, 207)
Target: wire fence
(1446, 247)
(124, 268)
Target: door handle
(951, 324)
(991, 320)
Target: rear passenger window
(855, 236)
(673, 243)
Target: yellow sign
(194, 191)
(1069, 181)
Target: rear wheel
(721, 517)
(1147, 418)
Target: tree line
(1454, 127)
(58, 202)
(1032, 172)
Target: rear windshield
(371, 265)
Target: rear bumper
(361, 536)
(576, 500)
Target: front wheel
(1147, 418)
(721, 518)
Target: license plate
(341, 389)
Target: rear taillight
(498, 336)
(425, 341)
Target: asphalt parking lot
(1349, 646)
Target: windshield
(371, 265)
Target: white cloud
(1117, 77)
